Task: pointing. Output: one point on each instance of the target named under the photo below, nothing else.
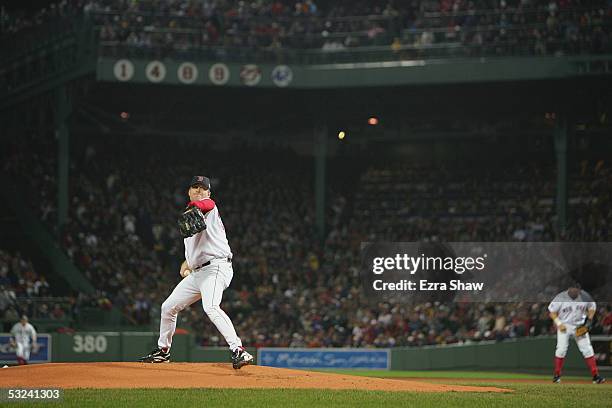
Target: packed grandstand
(290, 289)
(406, 29)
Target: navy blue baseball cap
(200, 181)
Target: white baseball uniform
(572, 313)
(208, 255)
(22, 334)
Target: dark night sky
(25, 5)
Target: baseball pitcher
(572, 311)
(206, 272)
(22, 333)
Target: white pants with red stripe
(208, 284)
(583, 342)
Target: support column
(62, 113)
(13, 125)
(7, 120)
(320, 153)
(561, 137)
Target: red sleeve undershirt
(204, 205)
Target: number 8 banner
(187, 73)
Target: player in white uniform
(569, 310)
(207, 272)
(22, 333)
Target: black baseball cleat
(158, 355)
(598, 379)
(557, 379)
(240, 358)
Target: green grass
(530, 395)
(455, 375)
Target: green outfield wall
(522, 354)
(128, 346)
(123, 69)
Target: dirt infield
(204, 375)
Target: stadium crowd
(19, 276)
(408, 28)
(289, 290)
(25, 291)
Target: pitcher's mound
(203, 375)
